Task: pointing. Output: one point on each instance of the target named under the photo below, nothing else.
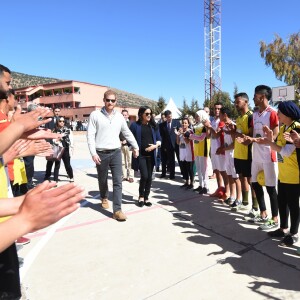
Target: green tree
(159, 106)
(194, 107)
(284, 58)
(224, 99)
(235, 90)
(185, 110)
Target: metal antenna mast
(212, 45)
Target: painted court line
(32, 255)
(57, 227)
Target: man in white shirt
(103, 132)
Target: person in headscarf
(288, 177)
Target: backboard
(283, 93)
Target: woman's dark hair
(141, 111)
(57, 120)
(186, 118)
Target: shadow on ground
(207, 221)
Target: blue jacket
(136, 129)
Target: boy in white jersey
(217, 159)
(264, 158)
(235, 198)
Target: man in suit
(168, 145)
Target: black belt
(107, 151)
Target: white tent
(171, 106)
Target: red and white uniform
(217, 161)
(264, 158)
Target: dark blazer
(51, 125)
(136, 130)
(168, 137)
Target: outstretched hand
(45, 205)
(32, 119)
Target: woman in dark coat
(147, 135)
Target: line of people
(36, 208)
(259, 144)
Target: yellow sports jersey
(242, 126)
(201, 148)
(3, 185)
(288, 165)
(19, 171)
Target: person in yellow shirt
(288, 176)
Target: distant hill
(125, 99)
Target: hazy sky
(149, 47)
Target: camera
(187, 134)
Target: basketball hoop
(283, 93)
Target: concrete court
(185, 246)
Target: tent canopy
(171, 106)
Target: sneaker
(252, 213)
(257, 219)
(289, 240)
(22, 241)
(270, 224)
(71, 179)
(204, 191)
(244, 207)
(236, 206)
(227, 201)
(198, 189)
(119, 216)
(276, 233)
(105, 204)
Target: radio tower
(212, 45)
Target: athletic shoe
(236, 205)
(189, 187)
(256, 219)
(270, 224)
(244, 207)
(289, 240)
(184, 186)
(228, 201)
(204, 191)
(198, 189)
(276, 233)
(252, 213)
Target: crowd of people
(260, 148)
(241, 152)
(25, 211)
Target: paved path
(185, 246)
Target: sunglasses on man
(110, 100)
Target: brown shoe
(105, 204)
(119, 216)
